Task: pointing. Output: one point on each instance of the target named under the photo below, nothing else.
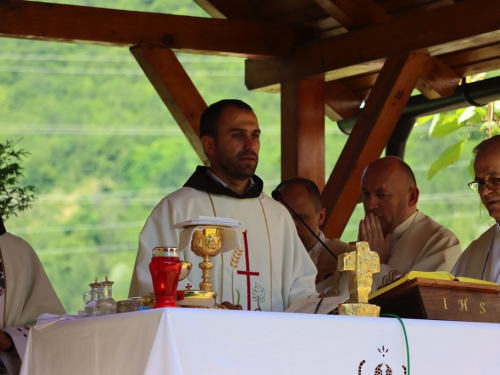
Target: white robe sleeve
(29, 293)
(439, 253)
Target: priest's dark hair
(309, 185)
(209, 117)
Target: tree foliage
(476, 123)
(14, 198)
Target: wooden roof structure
(324, 57)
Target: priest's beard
(234, 167)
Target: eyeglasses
(492, 184)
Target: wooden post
(176, 89)
(369, 136)
(303, 130)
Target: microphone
(277, 196)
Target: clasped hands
(370, 231)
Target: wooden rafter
(228, 9)
(88, 25)
(303, 130)
(437, 80)
(369, 137)
(340, 102)
(364, 50)
(354, 13)
(176, 89)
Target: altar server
(25, 294)
(481, 260)
(404, 238)
(272, 269)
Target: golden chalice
(206, 243)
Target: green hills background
(105, 150)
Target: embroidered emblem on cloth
(247, 272)
(381, 368)
(392, 276)
(258, 295)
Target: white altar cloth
(196, 341)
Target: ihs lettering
(462, 303)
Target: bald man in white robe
(405, 238)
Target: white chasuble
(481, 259)
(270, 271)
(28, 294)
(418, 244)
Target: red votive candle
(165, 268)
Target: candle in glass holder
(165, 269)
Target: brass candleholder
(206, 243)
(360, 265)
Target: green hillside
(105, 150)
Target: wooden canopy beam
(176, 90)
(354, 13)
(228, 9)
(368, 138)
(340, 102)
(364, 50)
(121, 28)
(437, 80)
(303, 130)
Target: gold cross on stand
(360, 264)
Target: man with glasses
(481, 260)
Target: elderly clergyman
(481, 260)
(404, 238)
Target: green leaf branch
(479, 122)
(14, 198)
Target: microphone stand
(279, 197)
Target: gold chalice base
(197, 298)
(359, 309)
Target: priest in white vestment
(25, 294)
(303, 196)
(272, 269)
(404, 237)
(481, 260)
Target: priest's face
(387, 195)
(297, 197)
(487, 167)
(236, 147)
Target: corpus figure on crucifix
(273, 269)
